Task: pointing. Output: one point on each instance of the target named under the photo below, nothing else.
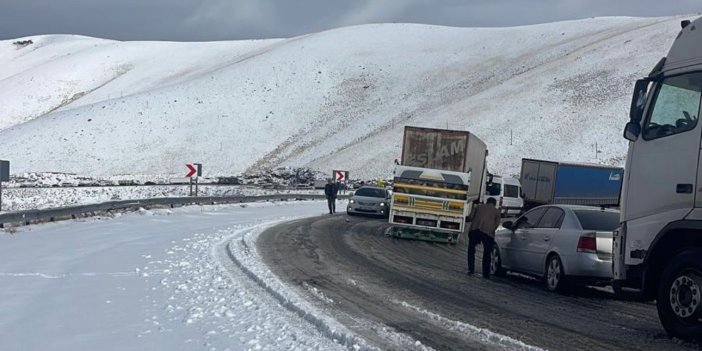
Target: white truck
(440, 176)
(657, 251)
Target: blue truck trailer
(548, 182)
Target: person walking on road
(484, 220)
(331, 190)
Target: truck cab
(658, 248)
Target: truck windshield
(494, 189)
(676, 106)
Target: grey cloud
(188, 20)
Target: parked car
(507, 193)
(369, 200)
(560, 243)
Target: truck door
(662, 164)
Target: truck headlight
(382, 204)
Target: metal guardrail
(53, 214)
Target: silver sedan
(560, 243)
(369, 200)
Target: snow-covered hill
(331, 100)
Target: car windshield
(371, 192)
(511, 190)
(598, 220)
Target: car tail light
(587, 243)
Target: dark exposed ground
(372, 279)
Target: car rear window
(370, 192)
(604, 221)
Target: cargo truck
(657, 251)
(440, 176)
(548, 182)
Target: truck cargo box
(451, 150)
(548, 182)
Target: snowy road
(420, 289)
(148, 281)
(269, 277)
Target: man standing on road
(330, 190)
(484, 220)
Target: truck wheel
(555, 277)
(680, 296)
(496, 263)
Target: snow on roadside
(18, 199)
(208, 292)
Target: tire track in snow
(239, 254)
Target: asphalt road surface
(380, 286)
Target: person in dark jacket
(331, 190)
(484, 220)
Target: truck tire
(680, 296)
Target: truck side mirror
(632, 131)
(638, 100)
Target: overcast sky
(188, 20)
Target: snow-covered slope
(331, 100)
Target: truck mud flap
(423, 235)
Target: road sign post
(194, 169)
(199, 174)
(340, 177)
(4, 176)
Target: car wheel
(680, 296)
(496, 263)
(554, 277)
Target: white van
(507, 192)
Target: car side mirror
(508, 225)
(632, 130)
(350, 193)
